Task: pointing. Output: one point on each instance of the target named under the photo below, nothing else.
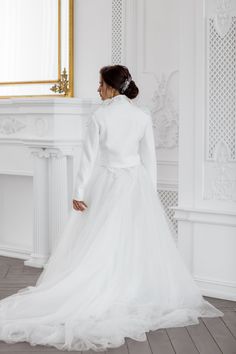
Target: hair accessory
(125, 85)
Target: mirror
(36, 46)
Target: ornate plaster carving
(221, 175)
(58, 153)
(165, 112)
(10, 125)
(41, 126)
(223, 19)
(221, 87)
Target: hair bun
(118, 77)
(132, 90)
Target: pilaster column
(41, 219)
(50, 200)
(58, 193)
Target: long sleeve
(148, 152)
(88, 157)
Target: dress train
(115, 273)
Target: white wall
(92, 45)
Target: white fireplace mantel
(40, 119)
(42, 138)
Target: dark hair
(118, 77)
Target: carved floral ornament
(223, 18)
(49, 152)
(221, 175)
(41, 126)
(164, 111)
(10, 125)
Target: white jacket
(122, 133)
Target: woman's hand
(79, 205)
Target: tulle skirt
(115, 272)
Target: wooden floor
(210, 336)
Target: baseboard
(14, 252)
(217, 288)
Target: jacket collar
(118, 98)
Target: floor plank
(92, 352)
(229, 320)
(123, 349)
(181, 341)
(24, 347)
(160, 342)
(17, 280)
(4, 268)
(222, 304)
(203, 340)
(40, 352)
(221, 334)
(136, 347)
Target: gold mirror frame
(64, 85)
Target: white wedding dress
(116, 271)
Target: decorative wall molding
(221, 80)
(10, 125)
(15, 252)
(205, 216)
(220, 179)
(217, 288)
(57, 105)
(41, 126)
(43, 119)
(222, 19)
(167, 162)
(169, 198)
(165, 184)
(49, 152)
(16, 173)
(117, 31)
(165, 112)
(44, 142)
(57, 196)
(220, 137)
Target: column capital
(52, 152)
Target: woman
(116, 271)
